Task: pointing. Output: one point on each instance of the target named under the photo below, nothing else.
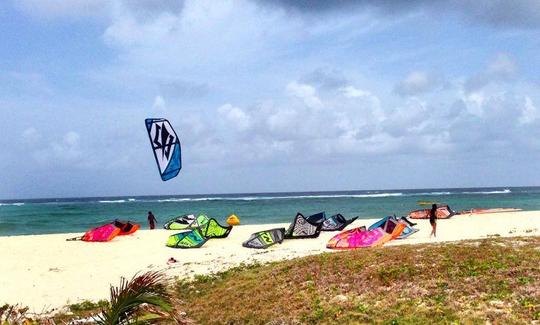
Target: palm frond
(129, 297)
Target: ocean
(45, 216)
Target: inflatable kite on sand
(187, 239)
(188, 221)
(390, 222)
(99, 234)
(443, 212)
(301, 227)
(266, 238)
(355, 238)
(360, 237)
(126, 227)
(198, 231)
(108, 231)
(336, 222)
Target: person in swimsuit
(433, 220)
(151, 220)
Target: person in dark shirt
(151, 220)
(433, 220)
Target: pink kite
(355, 238)
(100, 234)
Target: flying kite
(166, 147)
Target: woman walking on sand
(433, 220)
(151, 220)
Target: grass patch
(491, 280)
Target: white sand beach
(46, 272)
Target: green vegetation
(15, 314)
(495, 280)
(88, 306)
(145, 299)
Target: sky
(268, 96)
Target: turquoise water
(43, 216)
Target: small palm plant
(143, 299)
(14, 314)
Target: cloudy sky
(268, 95)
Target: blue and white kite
(166, 147)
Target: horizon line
(260, 193)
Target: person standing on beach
(433, 220)
(151, 220)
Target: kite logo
(266, 238)
(163, 140)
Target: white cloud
(65, 153)
(31, 136)
(500, 69)
(503, 66)
(237, 118)
(353, 92)
(530, 113)
(159, 104)
(306, 93)
(417, 82)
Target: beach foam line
(372, 194)
(255, 198)
(505, 191)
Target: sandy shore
(46, 272)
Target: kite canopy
(303, 228)
(392, 225)
(181, 222)
(126, 227)
(212, 229)
(342, 240)
(266, 238)
(394, 228)
(197, 232)
(317, 217)
(336, 222)
(407, 231)
(443, 212)
(188, 221)
(377, 235)
(333, 223)
(99, 234)
(166, 147)
(187, 239)
(356, 238)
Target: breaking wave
(505, 191)
(288, 197)
(112, 201)
(17, 204)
